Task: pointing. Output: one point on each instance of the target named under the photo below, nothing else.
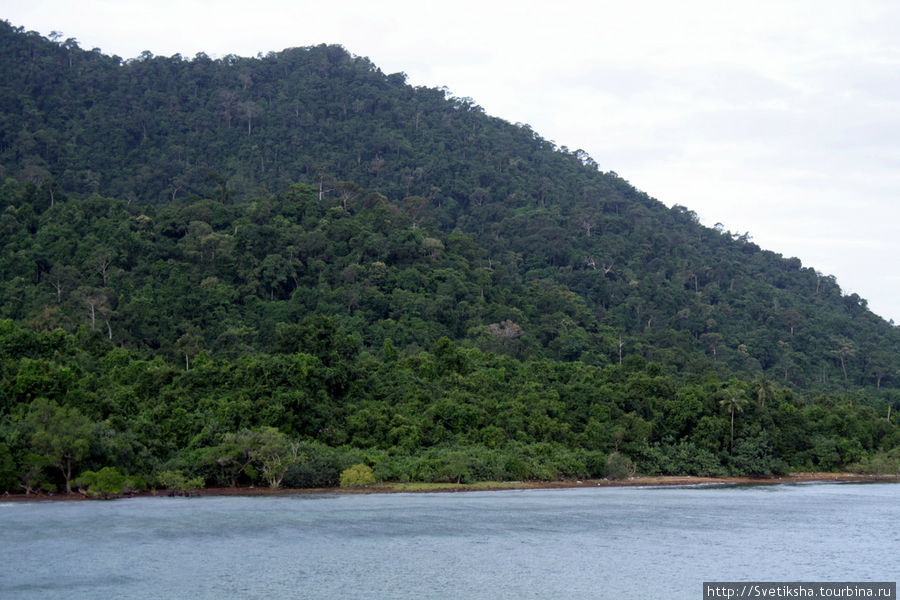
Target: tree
(712, 340)
(189, 344)
(97, 303)
(228, 103)
(734, 400)
(880, 365)
(417, 208)
(61, 278)
(250, 110)
(765, 390)
(51, 186)
(33, 475)
(234, 455)
(100, 261)
(61, 434)
(274, 453)
(349, 192)
(274, 272)
(793, 319)
(844, 349)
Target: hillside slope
(208, 262)
(167, 131)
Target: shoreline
(431, 488)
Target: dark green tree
(60, 434)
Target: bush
(34, 474)
(357, 476)
(105, 482)
(8, 472)
(178, 483)
(486, 464)
(882, 463)
(619, 466)
(684, 458)
(595, 463)
(754, 456)
(317, 466)
(394, 468)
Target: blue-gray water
(569, 543)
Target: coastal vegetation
(270, 271)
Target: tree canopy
(271, 269)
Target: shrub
(317, 466)
(105, 482)
(357, 475)
(396, 468)
(882, 463)
(595, 463)
(34, 474)
(619, 466)
(178, 483)
(754, 456)
(8, 471)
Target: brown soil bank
(388, 488)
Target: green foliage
(8, 470)
(62, 435)
(619, 466)
(455, 414)
(357, 476)
(415, 206)
(881, 463)
(275, 455)
(754, 456)
(33, 474)
(317, 466)
(444, 296)
(684, 458)
(106, 482)
(178, 483)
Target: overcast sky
(781, 119)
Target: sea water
(560, 543)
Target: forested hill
(303, 210)
(584, 256)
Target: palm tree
(734, 400)
(765, 390)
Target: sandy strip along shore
(388, 488)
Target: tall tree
(734, 399)
(61, 434)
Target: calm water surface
(569, 543)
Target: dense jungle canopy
(266, 270)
